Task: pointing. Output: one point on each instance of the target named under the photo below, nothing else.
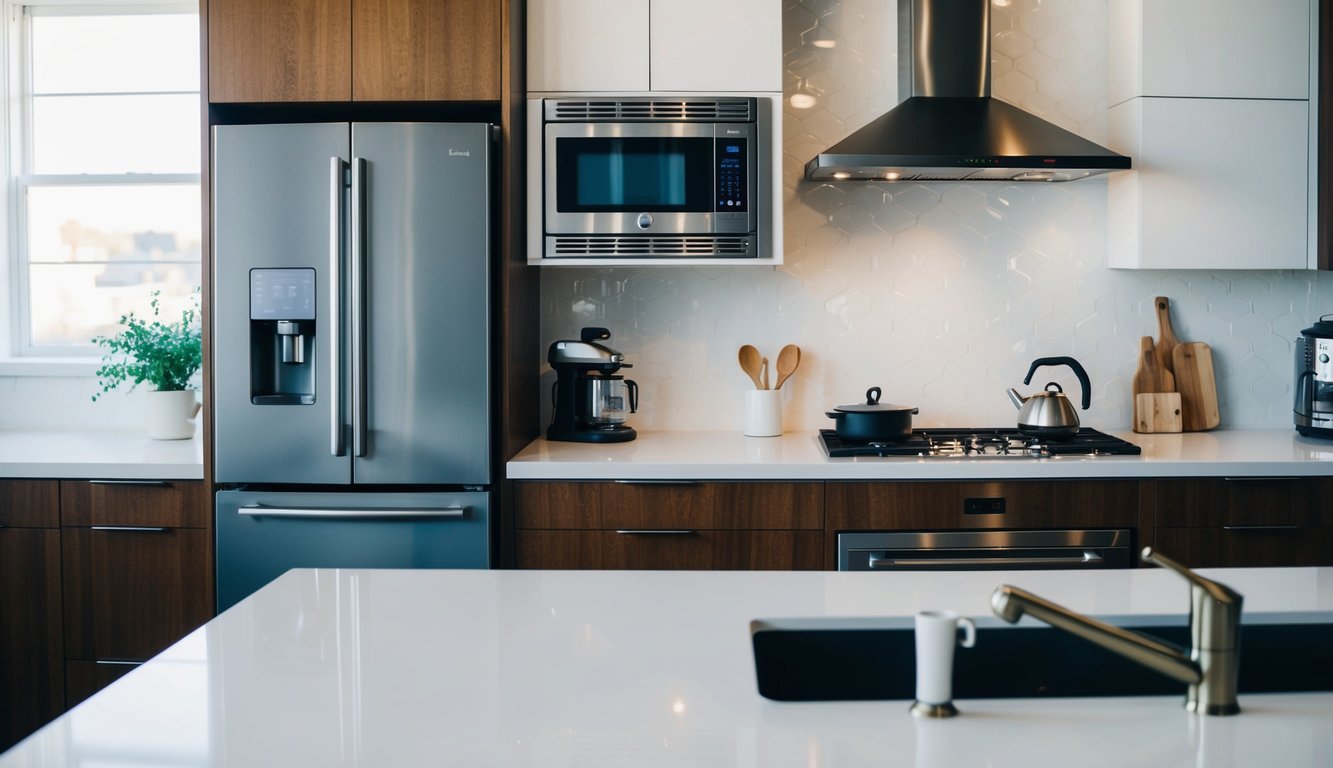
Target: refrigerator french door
(351, 345)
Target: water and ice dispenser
(282, 336)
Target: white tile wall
(42, 402)
(941, 294)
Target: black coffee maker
(1313, 406)
(589, 398)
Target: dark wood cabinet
(31, 663)
(137, 568)
(671, 525)
(918, 506)
(354, 50)
(1243, 521)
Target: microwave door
(630, 178)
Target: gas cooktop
(982, 443)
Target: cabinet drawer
(131, 593)
(29, 504)
(681, 549)
(1253, 501)
(1242, 546)
(670, 505)
(171, 504)
(1010, 504)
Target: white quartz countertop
(99, 455)
(569, 668)
(800, 456)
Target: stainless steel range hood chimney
(949, 128)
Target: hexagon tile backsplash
(941, 294)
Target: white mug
(763, 413)
(936, 636)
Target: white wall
(941, 294)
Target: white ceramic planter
(170, 415)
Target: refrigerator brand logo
(460, 153)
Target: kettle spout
(1017, 399)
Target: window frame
(17, 352)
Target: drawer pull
(656, 531)
(118, 662)
(418, 513)
(656, 482)
(139, 483)
(1264, 479)
(143, 528)
(1246, 528)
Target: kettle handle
(633, 387)
(1082, 375)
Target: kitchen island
(556, 668)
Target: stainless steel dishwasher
(984, 550)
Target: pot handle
(872, 396)
(1074, 365)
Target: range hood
(949, 128)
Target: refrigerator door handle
(337, 176)
(410, 513)
(358, 307)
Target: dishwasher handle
(351, 513)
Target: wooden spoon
(788, 358)
(751, 361)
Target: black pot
(873, 420)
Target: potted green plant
(164, 355)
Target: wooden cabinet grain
(706, 525)
(1243, 521)
(137, 568)
(982, 505)
(31, 663)
(354, 50)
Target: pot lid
(873, 405)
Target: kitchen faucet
(1213, 662)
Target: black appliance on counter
(590, 400)
(979, 443)
(1313, 407)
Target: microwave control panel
(731, 191)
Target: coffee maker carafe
(591, 401)
(1313, 407)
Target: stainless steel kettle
(1049, 413)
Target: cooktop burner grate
(982, 443)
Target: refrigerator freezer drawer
(262, 535)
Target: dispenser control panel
(282, 294)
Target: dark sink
(855, 660)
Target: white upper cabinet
(716, 45)
(587, 45)
(632, 46)
(1222, 49)
(1211, 100)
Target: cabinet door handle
(138, 483)
(1260, 479)
(656, 531)
(118, 662)
(1249, 528)
(143, 528)
(422, 513)
(656, 482)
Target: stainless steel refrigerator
(351, 351)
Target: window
(104, 186)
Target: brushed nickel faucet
(1212, 664)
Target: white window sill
(75, 367)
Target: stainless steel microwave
(654, 177)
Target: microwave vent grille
(673, 110)
(686, 246)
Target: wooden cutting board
(1157, 412)
(1166, 337)
(1193, 363)
(1151, 376)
